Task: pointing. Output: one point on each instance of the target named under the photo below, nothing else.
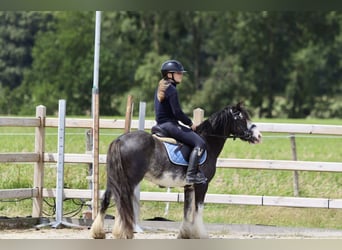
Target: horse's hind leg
(124, 217)
(97, 231)
(120, 231)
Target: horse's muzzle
(255, 135)
(252, 135)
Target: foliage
(225, 84)
(17, 37)
(61, 66)
(281, 63)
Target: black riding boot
(193, 175)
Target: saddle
(178, 152)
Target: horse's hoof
(183, 236)
(99, 235)
(123, 237)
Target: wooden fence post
(198, 116)
(38, 178)
(87, 214)
(295, 173)
(129, 112)
(96, 153)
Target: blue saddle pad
(176, 156)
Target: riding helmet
(171, 66)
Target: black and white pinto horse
(137, 155)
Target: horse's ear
(240, 105)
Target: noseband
(247, 134)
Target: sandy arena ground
(169, 230)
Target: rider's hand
(193, 127)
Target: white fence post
(136, 203)
(60, 163)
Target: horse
(139, 154)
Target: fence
(39, 157)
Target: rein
(247, 134)
(225, 136)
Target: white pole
(95, 114)
(60, 171)
(97, 49)
(60, 163)
(142, 114)
(136, 204)
(167, 204)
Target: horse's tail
(122, 188)
(119, 186)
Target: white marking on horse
(166, 180)
(256, 133)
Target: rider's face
(178, 76)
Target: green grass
(226, 181)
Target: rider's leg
(193, 174)
(189, 137)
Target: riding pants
(184, 134)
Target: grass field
(227, 181)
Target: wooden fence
(39, 157)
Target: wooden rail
(19, 157)
(221, 162)
(291, 128)
(258, 200)
(228, 163)
(18, 193)
(19, 122)
(264, 127)
(39, 157)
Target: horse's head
(242, 127)
(231, 122)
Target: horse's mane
(220, 121)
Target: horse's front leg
(192, 226)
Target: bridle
(246, 135)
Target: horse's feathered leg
(189, 203)
(186, 230)
(192, 226)
(97, 231)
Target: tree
(314, 69)
(62, 64)
(259, 57)
(224, 86)
(17, 37)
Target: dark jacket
(166, 104)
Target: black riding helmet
(171, 66)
